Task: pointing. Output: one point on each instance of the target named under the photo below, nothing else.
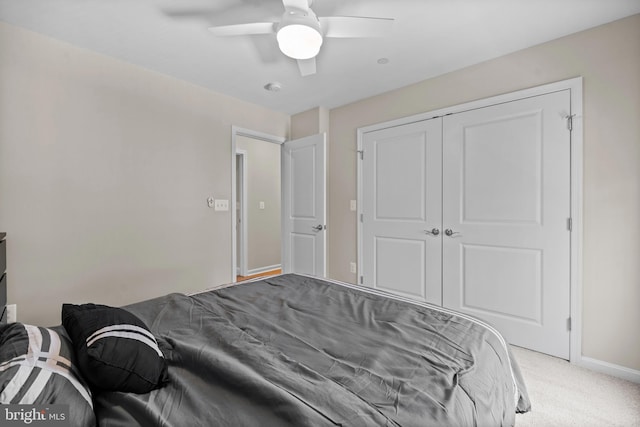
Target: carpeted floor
(563, 394)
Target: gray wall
(105, 169)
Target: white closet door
(401, 173)
(304, 205)
(506, 199)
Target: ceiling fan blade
(307, 66)
(296, 4)
(244, 29)
(355, 26)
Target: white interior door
(506, 202)
(304, 205)
(402, 213)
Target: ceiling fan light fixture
(299, 41)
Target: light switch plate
(221, 205)
(353, 205)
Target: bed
(294, 350)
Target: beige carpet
(563, 394)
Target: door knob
(318, 227)
(433, 231)
(449, 232)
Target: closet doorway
(472, 210)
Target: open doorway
(256, 203)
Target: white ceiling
(429, 38)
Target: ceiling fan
(300, 32)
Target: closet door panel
(401, 172)
(506, 202)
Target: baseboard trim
(612, 369)
(263, 269)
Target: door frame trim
(575, 85)
(241, 233)
(237, 131)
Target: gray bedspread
(297, 351)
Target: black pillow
(115, 349)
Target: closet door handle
(433, 231)
(318, 227)
(449, 232)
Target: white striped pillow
(115, 349)
(37, 367)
